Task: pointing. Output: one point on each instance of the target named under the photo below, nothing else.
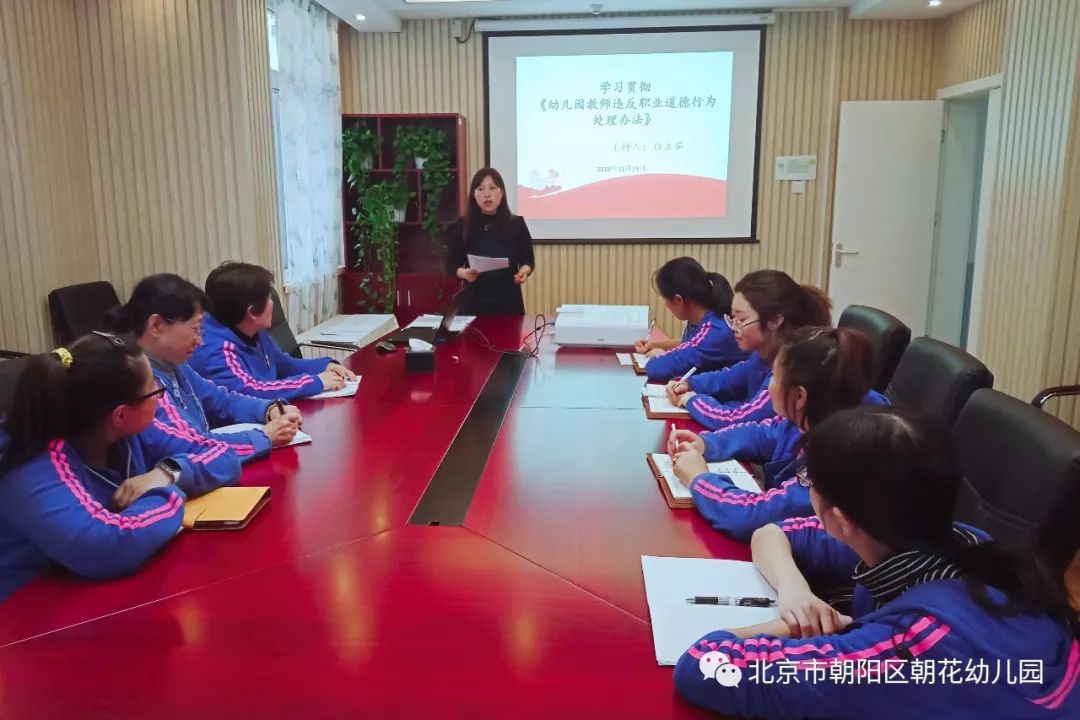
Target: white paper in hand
(300, 438)
(348, 391)
(487, 264)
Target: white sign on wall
(796, 167)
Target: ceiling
(386, 15)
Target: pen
(686, 378)
(280, 406)
(761, 602)
(648, 335)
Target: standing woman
(489, 229)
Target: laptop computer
(432, 335)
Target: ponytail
(896, 477)
(773, 295)
(685, 277)
(170, 296)
(833, 364)
(68, 391)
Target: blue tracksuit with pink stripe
(772, 443)
(707, 345)
(733, 395)
(193, 406)
(255, 366)
(57, 508)
(920, 646)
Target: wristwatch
(171, 468)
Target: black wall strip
(447, 498)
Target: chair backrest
(77, 309)
(280, 330)
(1022, 476)
(889, 336)
(10, 372)
(936, 379)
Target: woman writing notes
(490, 231)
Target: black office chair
(283, 335)
(11, 368)
(280, 331)
(889, 336)
(1052, 392)
(1021, 476)
(77, 309)
(936, 379)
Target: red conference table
(332, 604)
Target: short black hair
(233, 287)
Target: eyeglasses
(804, 478)
(156, 393)
(196, 330)
(736, 324)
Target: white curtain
(310, 127)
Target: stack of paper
(738, 474)
(348, 391)
(433, 321)
(356, 331)
(300, 438)
(640, 359)
(624, 358)
(653, 390)
(677, 624)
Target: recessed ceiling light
(362, 18)
(934, 3)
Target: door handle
(839, 250)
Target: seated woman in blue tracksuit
(768, 306)
(240, 355)
(80, 484)
(817, 373)
(914, 588)
(165, 313)
(701, 300)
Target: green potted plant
(429, 149)
(382, 207)
(359, 147)
(422, 144)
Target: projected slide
(623, 135)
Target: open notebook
(658, 407)
(677, 624)
(678, 495)
(300, 438)
(348, 391)
(639, 360)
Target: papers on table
(487, 264)
(738, 474)
(420, 345)
(353, 330)
(677, 624)
(624, 358)
(653, 390)
(300, 438)
(348, 391)
(661, 405)
(641, 359)
(433, 321)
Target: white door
(883, 212)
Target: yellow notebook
(227, 508)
